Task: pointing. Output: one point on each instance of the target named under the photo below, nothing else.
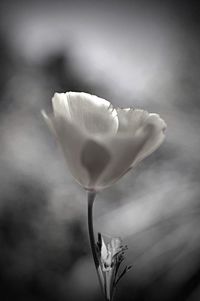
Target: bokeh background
(144, 54)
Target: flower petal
(71, 141)
(104, 251)
(49, 122)
(60, 105)
(116, 245)
(95, 158)
(93, 114)
(130, 147)
(156, 128)
(124, 150)
(130, 119)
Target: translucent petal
(94, 158)
(49, 122)
(131, 119)
(93, 114)
(124, 150)
(130, 147)
(156, 128)
(71, 141)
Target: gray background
(144, 54)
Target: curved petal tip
(91, 113)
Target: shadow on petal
(94, 158)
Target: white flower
(101, 143)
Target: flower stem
(91, 198)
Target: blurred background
(144, 54)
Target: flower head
(101, 143)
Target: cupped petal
(130, 147)
(124, 150)
(92, 114)
(131, 119)
(95, 159)
(86, 158)
(156, 128)
(71, 140)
